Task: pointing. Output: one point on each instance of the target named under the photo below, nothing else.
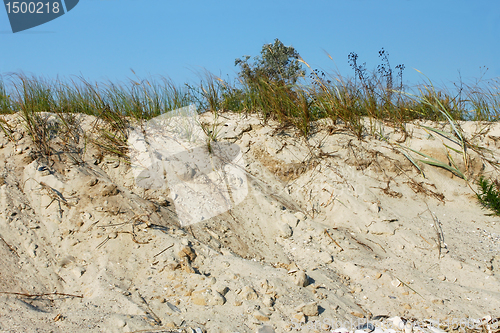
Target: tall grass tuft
(34, 99)
(5, 108)
(5, 102)
(484, 100)
(113, 106)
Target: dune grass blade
(444, 134)
(432, 161)
(410, 158)
(453, 149)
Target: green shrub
(489, 195)
(277, 62)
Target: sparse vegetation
(278, 85)
(269, 85)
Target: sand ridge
(332, 230)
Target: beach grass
(49, 108)
(346, 100)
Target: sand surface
(329, 231)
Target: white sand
(372, 236)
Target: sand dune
(330, 231)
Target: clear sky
(103, 39)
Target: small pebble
(285, 230)
(260, 316)
(248, 293)
(268, 301)
(265, 329)
(309, 309)
(299, 317)
(301, 279)
(357, 289)
(92, 182)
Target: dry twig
(168, 247)
(333, 240)
(40, 295)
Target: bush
(277, 63)
(489, 195)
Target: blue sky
(102, 40)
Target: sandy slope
(333, 229)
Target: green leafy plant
(489, 195)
